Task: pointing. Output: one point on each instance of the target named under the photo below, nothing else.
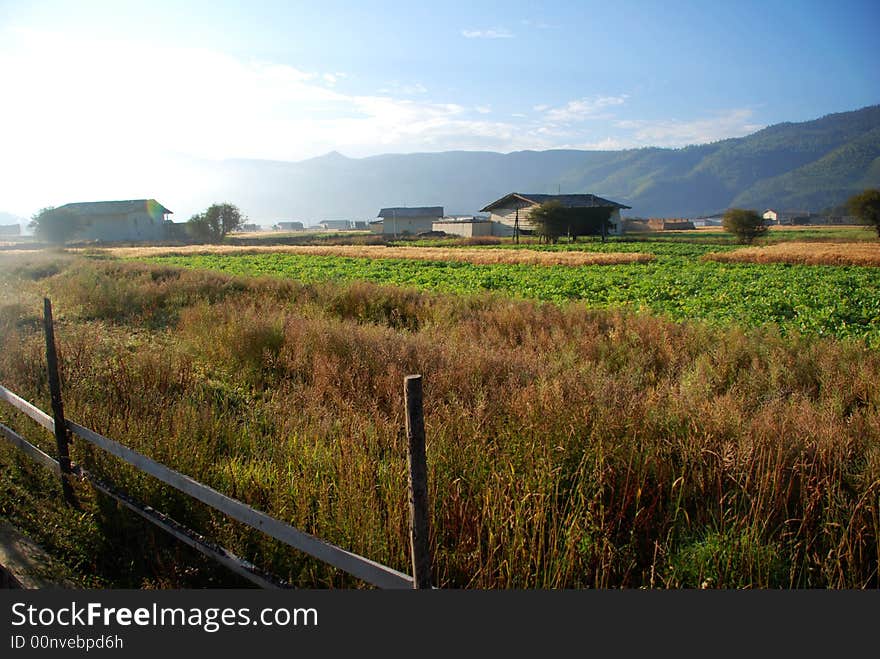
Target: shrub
(866, 207)
(746, 225)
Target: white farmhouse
(119, 221)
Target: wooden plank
(33, 412)
(32, 451)
(62, 434)
(186, 535)
(358, 566)
(418, 483)
(182, 533)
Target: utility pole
(516, 226)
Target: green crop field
(822, 300)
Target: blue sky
(96, 82)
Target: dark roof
(417, 211)
(115, 207)
(567, 200)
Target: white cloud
(401, 89)
(677, 133)
(86, 119)
(491, 33)
(581, 109)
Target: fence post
(418, 483)
(62, 438)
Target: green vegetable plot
(824, 300)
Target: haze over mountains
(790, 166)
(805, 166)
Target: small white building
(335, 225)
(409, 221)
(288, 225)
(511, 212)
(132, 220)
(468, 226)
(772, 216)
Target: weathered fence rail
(363, 568)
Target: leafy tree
(215, 222)
(553, 220)
(548, 220)
(745, 224)
(866, 207)
(55, 225)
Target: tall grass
(567, 447)
(858, 254)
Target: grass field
(827, 301)
(568, 446)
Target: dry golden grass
(863, 254)
(476, 256)
(567, 447)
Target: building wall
(466, 229)
(616, 223)
(507, 216)
(411, 225)
(118, 228)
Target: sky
(112, 99)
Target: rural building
(399, 221)
(659, 224)
(288, 226)
(120, 221)
(512, 210)
(335, 225)
(10, 229)
(772, 216)
(464, 225)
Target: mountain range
(810, 166)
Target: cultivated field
(677, 282)
(585, 427)
(462, 255)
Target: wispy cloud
(403, 89)
(676, 133)
(581, 109)
(266, 110)
(491, 33)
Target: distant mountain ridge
(810, 166)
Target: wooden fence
(363, 568)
